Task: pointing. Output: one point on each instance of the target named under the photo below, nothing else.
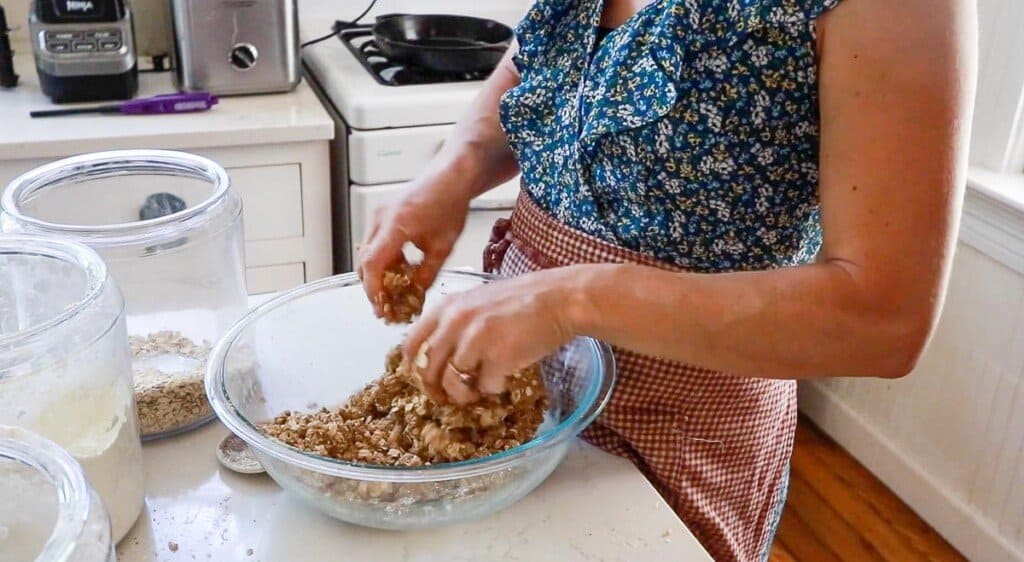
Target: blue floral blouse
(690, 133)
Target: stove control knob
(243, 56)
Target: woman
(733, 193)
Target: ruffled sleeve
(535, 33)
(815, 8)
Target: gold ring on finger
(464, 377)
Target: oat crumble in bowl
(392, 422)
(321, 343)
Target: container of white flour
(65, 365)
(48, 511)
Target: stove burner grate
(359, 41)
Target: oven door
(483, 211)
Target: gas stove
(390, 121)
(361, 44)
(359, 83)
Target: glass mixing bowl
(318, 344)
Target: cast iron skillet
(443, 43)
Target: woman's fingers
(475, 354)
(470, 352)
(378, 218)
(459, 385)
(383, 251)
(457, 349)
(420, 331)
(363, 244)
(428, 269)
(432, 348)
(462, 376)
(493, 378)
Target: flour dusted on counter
(97, 427)
(28, 511)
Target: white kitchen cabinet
(468, 250)
(286, 201)
(262, 280)
(274, 147)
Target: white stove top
(365, 103)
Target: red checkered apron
(715, 446)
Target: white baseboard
(948, 515)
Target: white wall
(507, 11)
(949, 438)
(17, 17)
(995, 139)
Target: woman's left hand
(474, 340)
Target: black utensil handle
(8, 78)
(75, 111)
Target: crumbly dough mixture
(401, 300)
(392, 422)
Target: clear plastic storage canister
(48, 510)
(65, 368)
(169, 227)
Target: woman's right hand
(431, 215)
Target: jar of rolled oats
(169, 227)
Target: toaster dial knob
(243, 56)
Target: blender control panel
(84, 49)
(92, 41)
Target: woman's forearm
(477, 153)
(798, 322)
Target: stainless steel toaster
(230, 47)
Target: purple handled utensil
(166, 103)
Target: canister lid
(118, 181)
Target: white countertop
(595, 506)
(236, 121)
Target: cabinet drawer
(272, 199)
(468, 251)
(268, 279)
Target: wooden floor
(837, 510)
